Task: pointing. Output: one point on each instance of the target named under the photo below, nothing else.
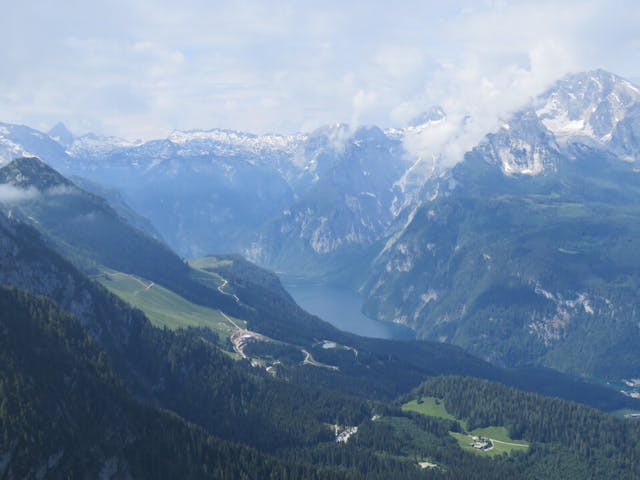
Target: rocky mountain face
(587, 107)
(521, 147)
(203, 191)
(526, 251)
(61, 134)
(21, 141)
(342, 211)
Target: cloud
(10, 193)
(510, 54)
(141, 68)
(477, 103)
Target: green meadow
(502, 442)
(164, 307)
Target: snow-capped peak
(434, 114)
(430, 117)
(241, 140)
(586, 106)
(22, 141)
(91, 145)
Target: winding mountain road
(225, 282)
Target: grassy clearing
(430, 406)
(497, 433)
(203, 272)
(164, 307)
(202, 263)
(503, 443)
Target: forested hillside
(64, 414)
(326, 414)
(584, 442)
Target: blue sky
(141, 68)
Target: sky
(139, 69)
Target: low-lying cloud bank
(10, 193)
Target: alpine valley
(143, 333)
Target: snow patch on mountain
(586, 106)
(96, 147)
(590, 108)
(433, 116)
(524, 147)
(429, 296)
(512, 156)
(10, 150)
(241, 140)
(550, 329)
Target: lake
(342, 308)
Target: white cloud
(10, 193)
(141, 68)
(510, 54)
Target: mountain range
(523, 252)
(121, 359)
(330, 193)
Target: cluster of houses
(481, 443)
(344, 435)
(634, 388)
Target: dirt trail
(507, 443)
(146, 286)
(309, 360)
(230, 321)
(225, 282)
